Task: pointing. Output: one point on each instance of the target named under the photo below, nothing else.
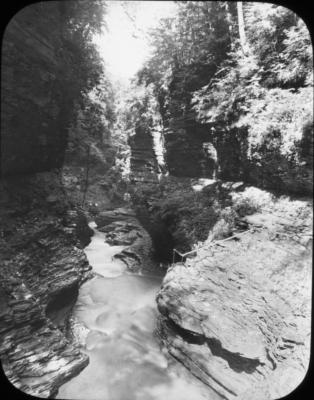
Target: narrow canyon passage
(118, 309)
(184, 130)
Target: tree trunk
(242, 35)
(86, 177)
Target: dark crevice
(162, 240)
(61, 304)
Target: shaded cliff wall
(143, 161)
(42, 266)
(144, 171)
(42, 234)
(35, 107)
(270, 148)
(195, 147)
(185, 139)
(187, 147)
(253, 111)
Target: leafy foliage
(197, 36)
(266, 93)
(89, 95)
(83, 65)
(255, 106)
(281, 44)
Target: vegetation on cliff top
(246, 76)
(90, 152)
(241, 79)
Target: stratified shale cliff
(238, 313)
(42, 234)
(209, 121)
(33, 91)
(146, 139)
(42, 266)
(186, 140)
(143, 162)
(234, 84)
(230, 113)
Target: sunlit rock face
(42, 266)
(34, 103)
(238, 315)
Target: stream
(118, 309)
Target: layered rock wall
(43, 264)
(184, 137)
(33, 106)
(42, 235)
(268, 146)
(143, 162)
(238, 315)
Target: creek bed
(119, 312)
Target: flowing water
(118, 309)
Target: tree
(241, 25)
(222, 64)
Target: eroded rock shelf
(43, 266)
(238, 316)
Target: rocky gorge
(43, 265)
(189, 275)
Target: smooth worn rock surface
(123, 229)
(238, 314)
(43, 264)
